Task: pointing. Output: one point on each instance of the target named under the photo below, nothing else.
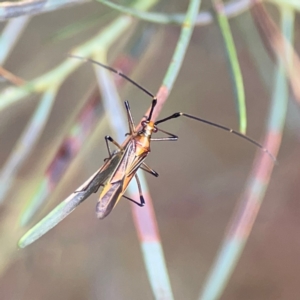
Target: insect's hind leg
(140, 204)
(142, 200)
(146, 168)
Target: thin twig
(145, 219)
(10, 35)
(32, 7)
(251, 199)
(236, 74)
(231, 9)
(178, 56)
(279, 45)
(26, 142)
(11, 77)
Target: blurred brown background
(201, 176)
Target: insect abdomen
(108, 200)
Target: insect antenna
(178, 114)
(243, 136)
(114, 71)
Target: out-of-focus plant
(278, 40)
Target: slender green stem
(26, 142)
(182, 45)
(231, 9)
(13, 9)
(236, 74)
(178, 55)
(251, 199)
(145, 219)
(10, 35)
(277, 44)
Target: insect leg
(109, 138)
(146, 168)
(107, 146)
(141, 204)
(142, 200)
(130, 119)
(170, 137)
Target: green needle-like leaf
(236, 74)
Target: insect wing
(112, 191)
(125, 163)
(100, 176)
(70, 203)
(108, 199)
(119, 180)
(129, 164)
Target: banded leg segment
(142, 200)
(170, 137)
(146, 168)
(108, 138)
(130, 119)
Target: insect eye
(144, 123)
(155, 129)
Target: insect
(120, 167)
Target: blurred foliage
(52, 144)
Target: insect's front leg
(130, 119)
(110, 139)
(170, 137)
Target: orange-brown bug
(120, 167)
